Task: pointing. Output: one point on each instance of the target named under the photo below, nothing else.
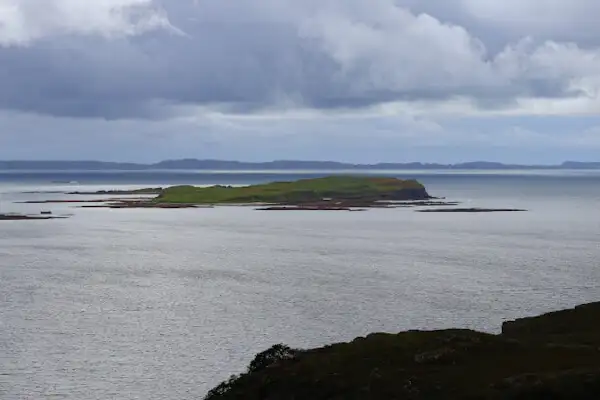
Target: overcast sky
(348, 80)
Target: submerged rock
(470, 210)
(24, 217)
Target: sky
(514, 81)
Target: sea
(156, 304)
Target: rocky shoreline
(144, 204)
(552, 356)
(24, 217)
(342, 205)
(470, 210)
(115, 192)
(72, 201)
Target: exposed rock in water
(553, 356)
(304, 208)
(70, 201)
(44, 192)
(421, 203)
(24, 217)
(470, 210)
(144, 191)
(145, 204)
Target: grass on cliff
(339, 187)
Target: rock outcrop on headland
(552, 356)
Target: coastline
(550, 356)
(29, 217)
(331, 193)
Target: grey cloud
(248, 55)
(499, 22)
(574, 20)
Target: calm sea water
(164, 304)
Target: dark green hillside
(554, 356)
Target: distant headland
(225, 165)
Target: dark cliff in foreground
(553, 356)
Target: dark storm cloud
(246, 56)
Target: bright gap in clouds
(24, 21)
(210, 74)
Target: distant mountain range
(193, 164)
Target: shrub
(270, 356)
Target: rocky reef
(26, 217)
(470, 210)
(552, 356)
(144, 191)
(143, 204)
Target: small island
(328, 193)
(348, 189)
(552, 356)
(332, 193)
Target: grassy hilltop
(301, 191)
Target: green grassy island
(341, 191)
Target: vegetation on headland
(553, 356)
(349, 189)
